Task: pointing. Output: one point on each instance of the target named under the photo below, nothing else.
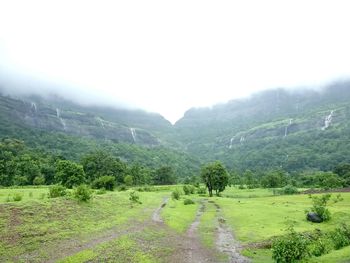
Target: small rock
(313, 217)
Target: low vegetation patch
(82, 193)
(57, 191)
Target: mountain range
(291, 130)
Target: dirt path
(226, 242)
(195, 252)
(156, 217)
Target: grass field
(108, 228)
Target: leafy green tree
(106, 182)
(128, 180)
(69, 173)
(101, 163)
(343, 170)
(215, 177)
(274, 179)
(28, 167)
(164, 175)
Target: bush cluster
(82, 193)
(175, 195)
(189, 189)
(106, 182)
(57, 191)
(296, 246)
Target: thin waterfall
(58, 115)
(328, 120)
(231, 142)
(287, 127)
(133, 134)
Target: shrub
(188, 202)
(322, 245)
(106, 182)
(320, 206)
(341, 236)
(134, 197)
(39, 180)
(129, 180)
(17, 197)
(290, 248)
(289, 190)
(57, 191)
(202, 190)
(82, 193)
(175, 195)
(189, 189)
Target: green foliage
(274, 179)
(101, 163)
(57, 191)
(319, 206)
(290, 248)
(287, 190)
(82, 193)
(17, 197)
(39, 180)
(320, 246)
(188, 202)
(202, 190)
(134, 197)
(341, 236)
(189, 189)
(104, 182)
(164, 176)
(176, 194)
(128, 180)
(215, 177)
(69, 173)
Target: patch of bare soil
(226, 242)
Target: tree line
(21, 165)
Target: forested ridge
(276, 130)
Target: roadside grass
(123, 250)
(179, 216)
(207, 226)
(235, 192)
(258, 219)
(338, 256)
(28, 224)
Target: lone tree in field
(215, 177)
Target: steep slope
(58, 115)
(276, 128)
(71, 131)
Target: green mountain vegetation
(276, 129)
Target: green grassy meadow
(110, 226)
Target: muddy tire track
(225, 242)
(196, 253)
(156, 217)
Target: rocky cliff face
(76, 120)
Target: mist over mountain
(290, 129)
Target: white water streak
(133, 133)
(58, 115)
(286, 129)
(328, 120)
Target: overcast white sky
(168, 56)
